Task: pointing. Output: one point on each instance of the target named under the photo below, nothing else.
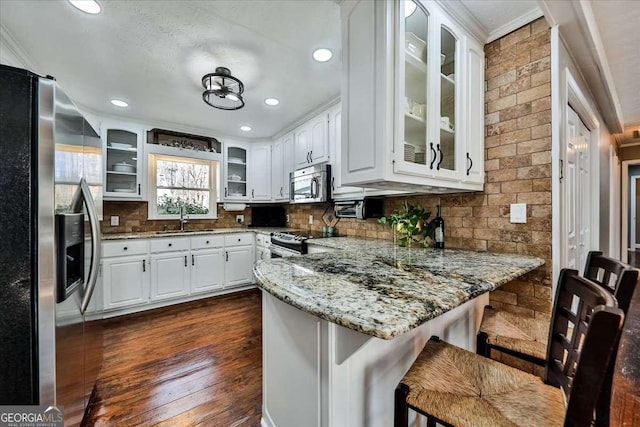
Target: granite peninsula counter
(341, 328)
(383, 290)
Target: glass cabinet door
(447, 144)
(123, 171)
(414, 76)
(236, 178)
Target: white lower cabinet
(239, 266)
(207, 270)
(169, 275)
(126, 282)
(148, 273)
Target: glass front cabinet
(124, 156)
(236, 174)
(424, 87)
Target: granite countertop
(379, 289)
(190, 232)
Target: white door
(634, 205)
(576, 192)
(301, 147)
(277, 175)
(126, 282)
(169, 275)
(207, 270)
(318, 148)
(260, 167)
(239, 266)
(335, 137)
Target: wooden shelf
(124, 150)
(415, 130)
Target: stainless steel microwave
(311, 184)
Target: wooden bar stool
(526, 337)
(456, 387)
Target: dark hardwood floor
(194, 364)
(634, 259)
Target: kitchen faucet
(184, 218)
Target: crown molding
(464, 17)
(287, 129)
(10, 43)
(509, 27)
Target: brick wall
(133, 219)
(518, 170)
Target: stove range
(292, 243)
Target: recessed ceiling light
(322, 55)
(271, 101)
(409, 8)
(88, 6)
(119, 103)
(245, 128)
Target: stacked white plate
(409, 153)
(124, 167)
(120, 145)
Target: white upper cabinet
(260, 172)
(235, 171)
(412, 98)
(124, 161)
(339, 191)
(311, 142)
(281, 166)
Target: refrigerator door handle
(83, 195)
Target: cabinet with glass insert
(123, 160)
(417, 87)
(235, 186)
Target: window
(177, 182)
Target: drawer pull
(185, 260)
(144, 265)
(193, 260)
(207, 242)
(125, 248)
(170, 244)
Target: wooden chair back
(585, 329)
(621, 280)
(615, 276)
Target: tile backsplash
(133, 219)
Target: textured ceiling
(618, 25)
(153, 54)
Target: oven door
(280, 252)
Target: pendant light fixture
(222, 90)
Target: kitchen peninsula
(340, 328)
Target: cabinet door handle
(561, 170)
(225, 191)
(139, 190)
(207, 242)
(144, 265)
(311, 156)
(227, 254)
(440, 153)
(333, 183)
(125, 248)
(252, 193)
(470, 164)
(185, 260)
(281, 190)
(170, 244)
(308, 161)
(433, 155)
(193, 260)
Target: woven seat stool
(456, 387)
(526, 337)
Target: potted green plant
(411, 225)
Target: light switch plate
(115, 221)
(518, 213)
(310, 219)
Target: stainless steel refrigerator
(50, 207)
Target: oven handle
(276, 250)
(83, 195)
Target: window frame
(214, 166)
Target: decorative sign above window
(184, 140)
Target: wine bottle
(438, 224)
